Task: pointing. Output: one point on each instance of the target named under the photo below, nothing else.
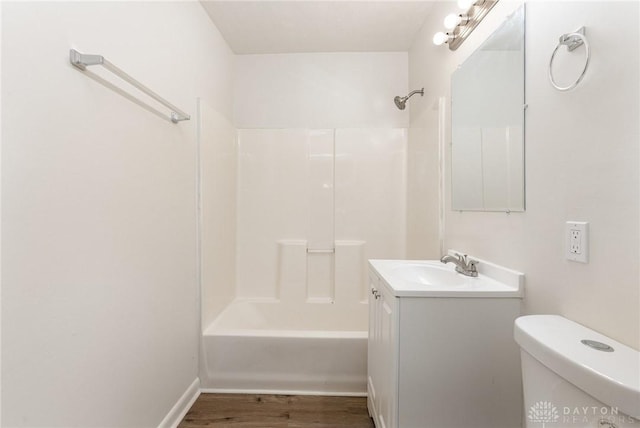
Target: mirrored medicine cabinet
(487, 118)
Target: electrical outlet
(577, 235)
(575, 241)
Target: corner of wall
(182, 406)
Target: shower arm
(417, 91)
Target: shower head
(401, 102)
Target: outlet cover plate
(577, 241)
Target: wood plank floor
(277, 411)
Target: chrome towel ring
(571, 41)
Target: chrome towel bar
(82, 61)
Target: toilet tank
(574, 377)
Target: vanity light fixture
(461, 25)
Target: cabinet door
(382, 355)
(386, 355)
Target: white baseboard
(281, 392)
(182, 406)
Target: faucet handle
(464, 259)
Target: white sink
(430, 274)
(432, 278)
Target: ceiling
(278, 26)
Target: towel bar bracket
(83, 60)
(176, 117)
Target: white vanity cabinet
(440, 358)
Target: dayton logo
(543, 412)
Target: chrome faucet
(463, 264)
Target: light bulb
(440, 38)
(465, 4)
(452, 21)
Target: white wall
(582, 162)
(320, 90)
(99, 309)
(423, 167)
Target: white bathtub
(273, 347)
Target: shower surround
(310, 186)
(312, 207)
(312, 200)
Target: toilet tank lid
(611, 377)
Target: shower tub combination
(304, 232)
(276, 347)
